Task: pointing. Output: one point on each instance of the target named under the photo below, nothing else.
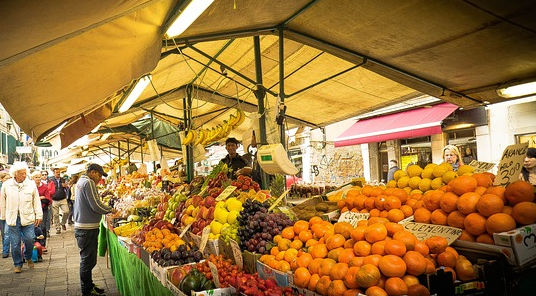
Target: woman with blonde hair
(452, 155)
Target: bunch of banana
(237, 119)
(189, 137)
(127, 229)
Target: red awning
(409, 124)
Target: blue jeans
(87, 241)
(27, 235)
(5, 237)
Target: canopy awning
(408, 124)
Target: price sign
(511, 164)
(173, 220)
(408, 219)
(237, 254)
(203, 191)
(226, 192)
(204, 238)
(278, 200)
(183, 232)
(215, 275)
(423, 231)
(481, 166)
(353, 217)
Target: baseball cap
(98, 168)
(232, 140)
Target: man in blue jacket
(88, 211)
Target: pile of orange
(377, 257)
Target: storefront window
(527, 138)
(465, 140)
(415, 151)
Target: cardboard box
(250, 261)
(522, 241)
(125, 242)
(216, 292)
(158, 271)
(266, 272)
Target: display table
(131, 275)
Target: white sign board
(24, 149)
(511, 164)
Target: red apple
(196, 200)
(210, 201)
(210, 215)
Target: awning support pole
(260, 93)
(141, 148)
(187, 102)
(281, 105)
(152, 137)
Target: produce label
(237, 253)
(226, 192)
(185, 230)
(423, 231)
(353, 217)
(215, 276)
(204, 238)
(481, 166)
(511, 164)
(278, 200)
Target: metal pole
(152, 137)
(281, 117)
(260, 93)
(141, 148)
(187, 102)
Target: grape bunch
(258, 226)
(230, 232)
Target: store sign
(423, 231)
(226, 192)
(481, 166)
(511, 164)
(24, 149)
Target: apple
(210, 215)
(196, 200)
(204, 212)
(177, 275)
(210, 201)
(188, 202)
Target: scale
(273, 159)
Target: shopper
(393, 168)
(3, 226)
(21, 208)
(238, 163)
(59, 201)
(451, 155)
(46, 200)
(528, 172)
(88, 211)
(72, 186)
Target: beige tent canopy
(72, 61)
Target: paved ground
(58, 274)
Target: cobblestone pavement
(58, 274)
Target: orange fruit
(524, 213)
(483, 180)
(314, 266)
(343, 228)
(368, 275)
(392, 265)
(337, 288)
(296, 244)
(422, 215)
(456, 219)
(466, 236)
(335, 241)
(301, 277)
(519, 191)
(319, 251)
(431, 199)
(396, 286)
(372, 259)
(439, 217)
(475, 224)
(489, 204)
(407, 210)
(304, 260)
(408, 238)
(393, 227)
(467, 202)
(313, 281)
(418, 290)
(378, 248)
(497, 190)
(447, 259)
(485, 238)
(463, 184)
(338, 271)
(362, 248)
(422, 248)
(356, 261)
(350, 277)
(288, 233)
(500, 223)
(375, 291)
(395, 247)
(322, 285)
(448, 202)
(465, 270)
(325, 266)
(410, 280)
(415, 263)
(346, 255)
(436, 244)
(375, 232)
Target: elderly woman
(452, 155)
(528, 172)
(3, 226)
(46, 200)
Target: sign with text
(23, 149)
(215, 275)
(423, 231)
(237, 253)
(353, 217)
(226, 192)
(204, 238)
(481, 166)
(511, 164)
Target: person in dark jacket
(394, 167)
(238, 163)
(88, 211)
(59, 201)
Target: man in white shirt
(21, 208)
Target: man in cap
(238, 163)
(88, 211)
(21, 208)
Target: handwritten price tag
(511, 164)
(423, 231)
(237, 254)
(278, 200)
(204, 238)
(226, 192)
(183, 232)
(215, 275)
(353, 217)
(481, 166)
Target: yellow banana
(188, 138)
(233, 119)
(242, 117)
(226, 129)
(201, 135)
